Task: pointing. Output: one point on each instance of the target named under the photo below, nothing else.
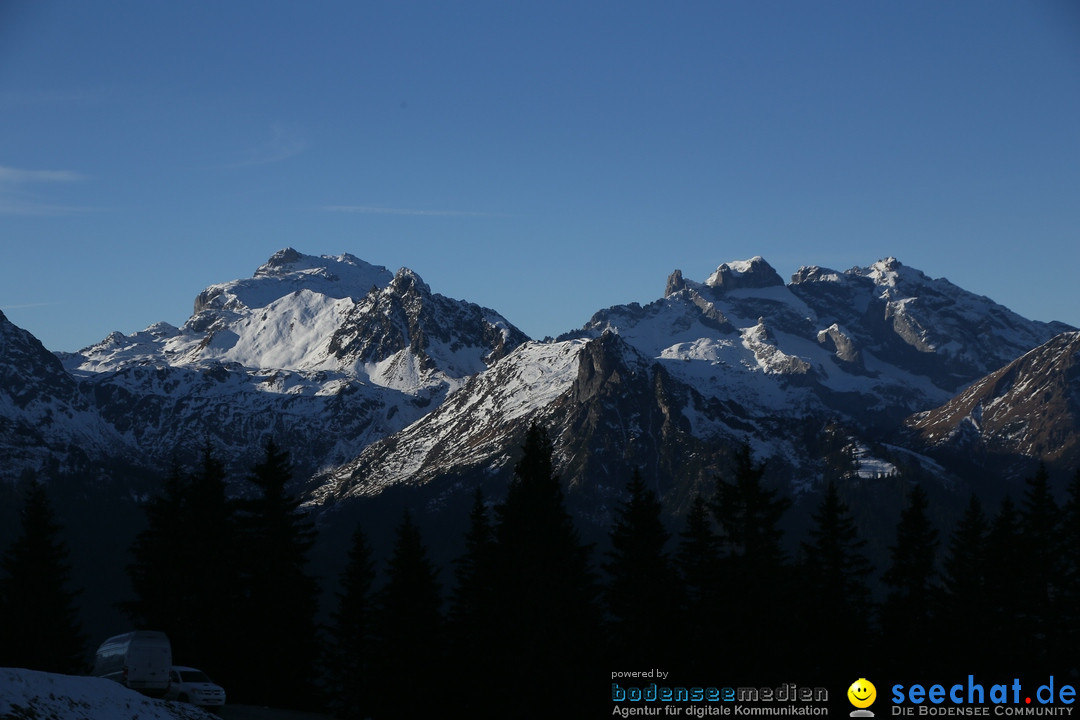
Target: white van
(140, 660)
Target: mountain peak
(752, 273)
(406, 280)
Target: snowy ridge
(1030, 407)
(467, 429)
(330, 351)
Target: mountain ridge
(378, 380)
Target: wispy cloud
(15, 200)
(21, 306)
(374, 210)
(279, 144)
(15, 176)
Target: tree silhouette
(907, 611)
(474, 645)
(40, 628)
(641, 583)
(278, 641)
(351, 656)
(965, 610)
(1041, 581)
(835, 575)
(190, 534)
(755, 579)
(409, 666)
(697, 561)
(547, 614)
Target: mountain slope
(45, 422)
(871, 345)
(1029, 408)
(327, 354)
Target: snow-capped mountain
(869, 342)
(373, 380)
(1030, 408)
(325, 353)
(739, 357)
(45, 422)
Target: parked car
(139, 660)
(193, 686)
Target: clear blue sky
(546, 159)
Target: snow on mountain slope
(1030, 407)
(44, 419)
(315, 314)
(32, 694)
(881, 339)
(468, 429)
(325, 353)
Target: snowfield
(29, 694)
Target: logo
(862, 694)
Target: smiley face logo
(862, 693)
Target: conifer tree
(351, 657)
(278, 632)
(160, 562)
(835, 576)
(697, 560)
(749, 515)
(185, 570)
(641, 587)
(409, 671)
(756, 580)
(1069, 614)
(474, 647)
(1042, 580)
(1005, 564)
(40, 629)
(547, 613)
(907, 611)
(965, 608)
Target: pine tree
(965, 608)
(160, 562)
(1069, 613)
(185, 570)
(749, 515)
(697, 560)
(40, 628)
(547, 616)
(907, 611)
(641, 585)
(351, 657)
(474, 646)
(278, 633)
(757, 582)
(835, 576)
(1004, 565)
(409, 671)
(1042, 579)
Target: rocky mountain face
(374, 381)
(330, 353)
(1029, 409)
(45, 421)
(671, 386)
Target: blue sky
(544, 159)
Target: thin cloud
(374, 210)
(280, 145)
(22, 306)
(16, 176)
(14, 200)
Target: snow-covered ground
(33, 695)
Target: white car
(193, 686)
